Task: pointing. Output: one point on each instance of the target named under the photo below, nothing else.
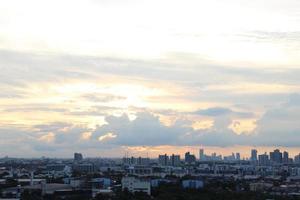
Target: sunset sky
(106, 77)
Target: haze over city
(109, 78)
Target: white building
(133, 185)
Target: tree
(31, 195)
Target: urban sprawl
(274, 175)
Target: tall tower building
(276, 156)
(78, 157)
(189, 158)
(285, 159)
(163, 160)
(238, 156)
(253, 155)
(201, 155)
(263, 159)
(175, 160)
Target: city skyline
(207, 155)
(148, 77)
(273, 174)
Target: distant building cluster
(89, 177)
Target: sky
(139, 77)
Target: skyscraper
(189, 158)
(201, 155)
(297, 159)
(285, 159)
(238, 156)
(143, 161)
(163, 160)
(253, 155)
(263, 159)
(175, 160)
(276, 156)
(78, 157)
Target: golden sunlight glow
(107, 136)
(48, 137)
(204, 124)
(245, 126)
(86, 135)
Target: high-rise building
(143, 161)
(78, 157)
(136, 161)
(133, 160)
(238, 156)
(253, 155)
(189, 158)
(276, 156)
(163, 160)
(233, 156)
(201, 155)
(175, 160)
(297, 159)
(285, 159)
(263, 159)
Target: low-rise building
(192, 184)
(260, 186)
(133, 185)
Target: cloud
(217, 111)
(269, 36)
(293, 100)
(146, 129)
(280, 125)
(35, 108)
(107, 136)
(221, 111)
(53, 127)
(143, 73)
(103, 97)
